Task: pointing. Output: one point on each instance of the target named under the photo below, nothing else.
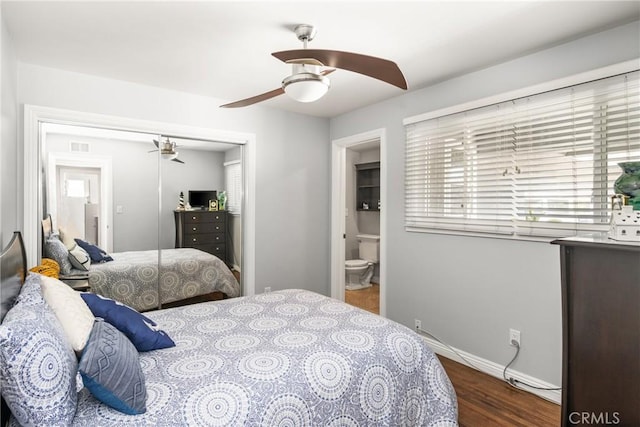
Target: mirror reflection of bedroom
(128, 195)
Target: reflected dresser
(202, 229)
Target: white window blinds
(541, 166)
(233, 184)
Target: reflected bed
(134, 278)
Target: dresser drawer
(203, 227)
(202, 217)
(203, 238)
(217, 250)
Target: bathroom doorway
(358, 221)
(362, 225)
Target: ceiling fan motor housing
(305, 32)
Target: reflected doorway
(78, 198)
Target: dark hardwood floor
(487, 401)
(483, 401)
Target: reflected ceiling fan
(167, 150)
(308, 81)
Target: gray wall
(469, 290)
(9, 148)
(369, 221)
(351, 220)
(292, 156)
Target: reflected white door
(78, 199)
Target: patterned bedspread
(287, 358)
(132, 277)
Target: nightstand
(77, 283)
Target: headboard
(47, 229)
(13, 270)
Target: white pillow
(66, 238)
(70, 309)
(79, 258)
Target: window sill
(538, 239)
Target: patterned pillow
(140, 330)
(37, 366)
(31, 291)
(111, 370)
(79, 258)
(56, 250)
(74, 315)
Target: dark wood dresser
(202, 229)
(601, 331)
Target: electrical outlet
(417, 324)
(514, 337)
(267, 289)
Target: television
(200, 199)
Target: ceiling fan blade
(177, 160)
(378, 68)
(156, 143)
(254, 99)
(152, 151)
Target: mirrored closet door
(128, 191)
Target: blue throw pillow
(96, 254)
(111, 370)
(138, 328)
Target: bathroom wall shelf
(367, 186)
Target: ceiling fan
(167, 150)
(308, 81)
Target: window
(233, 184)
(75, 188)
(537, 166)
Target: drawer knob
(193, 217)
(194, 228)
(195, 240)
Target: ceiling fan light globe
(306, 87)
(169, 156)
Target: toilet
(360, 271)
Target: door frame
(101, 163)
(338, 208)
(33, 209)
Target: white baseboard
(357, 287)
(495, 370)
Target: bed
(135, 278)
(285, 358)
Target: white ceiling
(223, 49)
